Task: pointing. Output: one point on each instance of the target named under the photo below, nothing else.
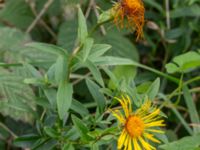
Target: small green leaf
(95, 72)
(26, 140)
(191, 108)
(98, 50)
(105, 16)
(184, 62)
(79, 108)
(34, 72)
(51, 132)
(68, 146)
(51, 96)
(64, 99)
(188, 11)
(87, 45)
(17, 13)
(48, 48)
(95, 91)
(81, 127)
(153, 89)
(61, 69)
(82, 26)
(186, 143)
(67, 34)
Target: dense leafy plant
(62, 63)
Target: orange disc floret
(133, 11)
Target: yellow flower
(133, 11)
(138, 126)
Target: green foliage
(186, 143)
(17, 13)
(184, 63)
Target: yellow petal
(136, 145)
(130, 145)
(155, 124)
(155, 131)
(146, 145)
(119, 116)
(124, 105)
(151, 115)
(122, 139)
(127, 142)
(150, 137)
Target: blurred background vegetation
(166, 68)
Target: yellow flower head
(133, 11)
(139, 126)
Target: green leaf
(67, 35)
(95, 72)
(178, 114)
(81, 127)
(127, 72)
(186, 143)
(64, 99)
(48, 48)
(51, 132)
(26, 140)
(98, 97)
(98, 50)
(155, 5)
(12, 39)
(79, 108)
(68, 146)
(188, 11)
(82, 26)
(153, 89)
(17, 99)
(105, 16)
(51, 96)
(61, 69)
(33, 71)
(112, 61)
(17, 13)
(184, 62)
(87, 45)
(191, 108)
(121, 46)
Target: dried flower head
(133, 11)
(138, 126)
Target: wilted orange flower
(138, 127)
(133, 11)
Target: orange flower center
(133, 3)
(134, 126)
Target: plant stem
(7, 129)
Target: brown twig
(42, 12)
(92, 4)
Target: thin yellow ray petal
(130, 145)
(155, 118)
(155, 131)
(136, 145)
(129, 103)
(143, 111)
(151, 115)
(155, 123)
(127, 142)
(124, 106)
(150, 137)
(119, 116)
(121, 139)
(146, 145)
(127, 112)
